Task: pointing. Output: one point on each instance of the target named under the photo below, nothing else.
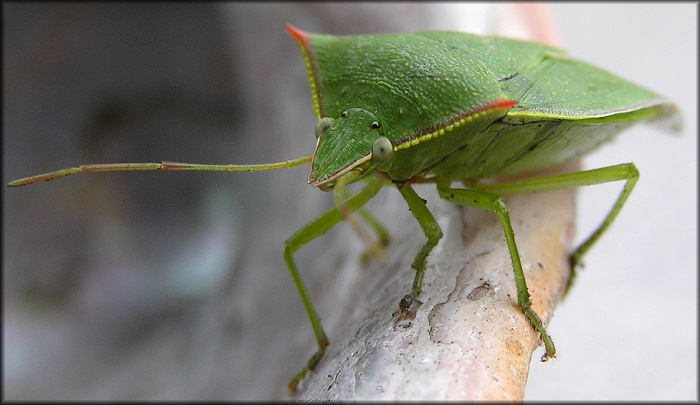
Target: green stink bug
(439, 107)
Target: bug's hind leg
(625, 171)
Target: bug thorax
(353, 141)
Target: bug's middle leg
(432, 231)
(340, 195)
(374, 248)
(492, 202)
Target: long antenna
(114, 167)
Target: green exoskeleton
(446, 107)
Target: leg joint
(433, 233)
(498, 204)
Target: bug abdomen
(507, 147)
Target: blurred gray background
(172, 285)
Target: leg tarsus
(574, 265)
(550, 351)
(310, 366)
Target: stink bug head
(345, 144)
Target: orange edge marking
(303, 39)
(300, 36)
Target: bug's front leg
(305, 235)
(494, 203)
(432, 231)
